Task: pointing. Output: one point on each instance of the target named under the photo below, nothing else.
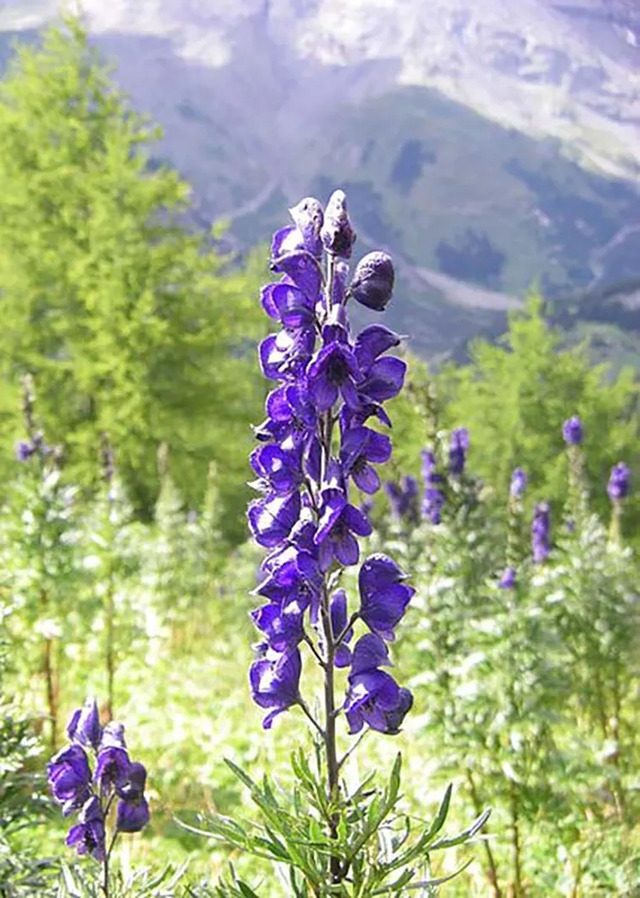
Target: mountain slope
(485, 150)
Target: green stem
(492, 872)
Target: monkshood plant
(107, 801)
(42, 537)
(524, 642)
(317, 447)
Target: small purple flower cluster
(458, 446)
(404, 498)
(116, 778)
(434, 483)
(619, 482)
(316, 444)
(540, 530)
(572, 431)
(35, 446)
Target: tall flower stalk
(317, 448)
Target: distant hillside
(488, 146)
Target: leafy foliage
(128, 319)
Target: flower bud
(373, 279)
(337, 234)
(308, 218)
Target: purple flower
(112, 768)
(508, 579)
(383, 595)
(434, 497)
(132, 817)
(572, 431)
(271, 519)
(518, 483)
(403, 497)
(279, 468)
(333, 372)
(373, 697)
(619, 482)
(133, 809)
(289, 305)
(362, 447)
(372, 283)
(284, 356)
(540, 532)
(84, 726)
(282, 624)
(338, 526)
(24, 450)
(69, 777)
(336, 233)
(274, 681)
(458, 446)
(130, 787)
(88, 836)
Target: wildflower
(372, 283)
(518, 483)
(458, 446)
(540, 532)
(619, 482)
(572, 431)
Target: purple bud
(84, 726)
(619, 482)
(572, 431)
(337, 234)
(308, 218)
(24, 450)
(372, 283)
(518, 483)
(508, 579)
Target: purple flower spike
(362, 447)
(572, 431)
(383, 595)
(84, 726)
(458, 447)
(508, 579)
(132, 817)
(275, 682)
(434, 497)
(619, 482)
(69, 777)
(88, 835)
(373, 280)
(540, 532)
(518, 483)
(337, 234)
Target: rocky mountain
(487, 145)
